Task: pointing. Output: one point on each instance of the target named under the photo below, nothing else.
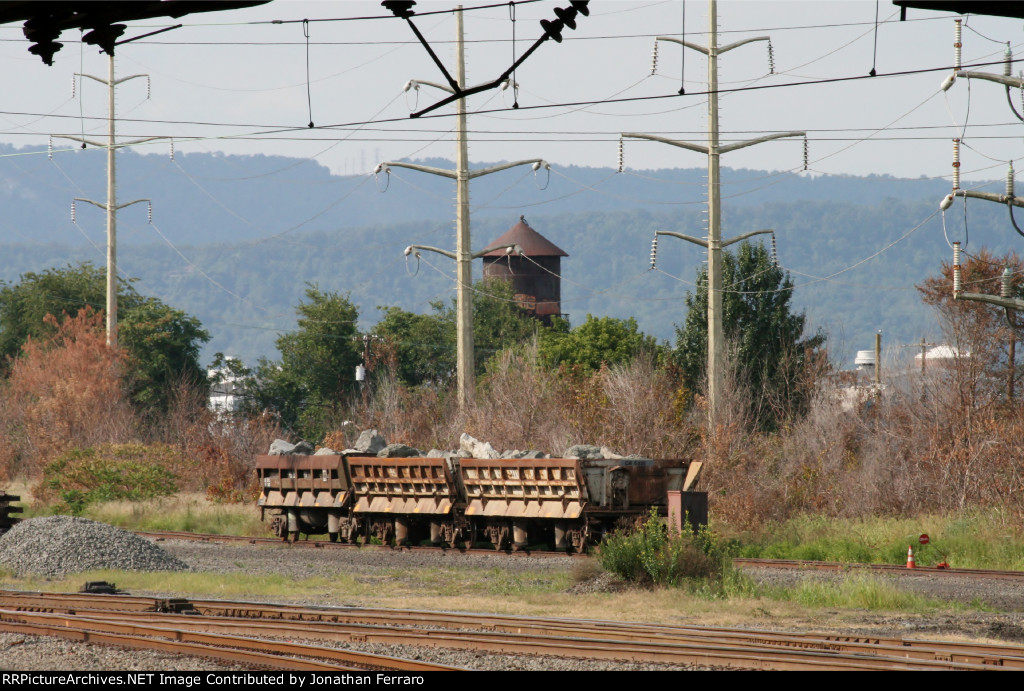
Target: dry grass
(477, 590)
(191, 512)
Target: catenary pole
(713, 150)
(111, 207)
(464, 255)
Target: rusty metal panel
(401, 485)
(300, 480)
(523, 487)
(691, 507)
(640, 481)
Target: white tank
(865, 358)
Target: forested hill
(235, 239)
(202, 198)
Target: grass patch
(969, 540)
(189, 512)
(860, 591)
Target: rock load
(372, 443)
(56, 546)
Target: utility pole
(111, 206)
(463, 255)
(714, 244)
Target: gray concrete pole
(878, 361)
(111, 206)
(111, 216)
(716, 334)
(465, 368)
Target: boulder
(473, 448)
(583, 452)
(304, 447)
(279, 447)
(398, 451)
(370, 442)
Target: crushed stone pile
(56, 546)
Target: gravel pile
(60, 545)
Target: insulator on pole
(622, 155)
(956, 164)
(72, 87)
(654, 251)
(654, 58)
(806, 154)
(1020, 76)
(957, 45)
(1004, 289)
(172, 149)
(73, 213)
(1009, 180)
(956, 269)
(150, 213)
(148, 87)
(1007, 60)
(49, 148)
(775, 253)
(771, 58)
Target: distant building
(535, 276)
(940, 356)
(226, 391)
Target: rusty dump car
(564, 503)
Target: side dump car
(510, 502)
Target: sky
(238, 83)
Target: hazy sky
(233, 82)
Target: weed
(107, 472)
(654, 554)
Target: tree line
(793, 436)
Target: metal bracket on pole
(565, 18)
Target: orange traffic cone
(910, 557)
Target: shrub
(655, 554)
(108, 472)
(63, 392)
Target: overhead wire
(277, 129)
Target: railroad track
(879, 568)
(159, 535)
(739, 562)
(135, 623)
(208, 622)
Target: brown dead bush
(64, 392)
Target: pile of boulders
(371, 442)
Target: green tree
(317, 366)
(163, 342)
(25, 304)
(766, 335)
(498, 321)
(597, 341)
(425, 343)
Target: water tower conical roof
(533, 243)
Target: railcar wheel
(498, 534)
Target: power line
(276, 128)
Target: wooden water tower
(535, 276)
